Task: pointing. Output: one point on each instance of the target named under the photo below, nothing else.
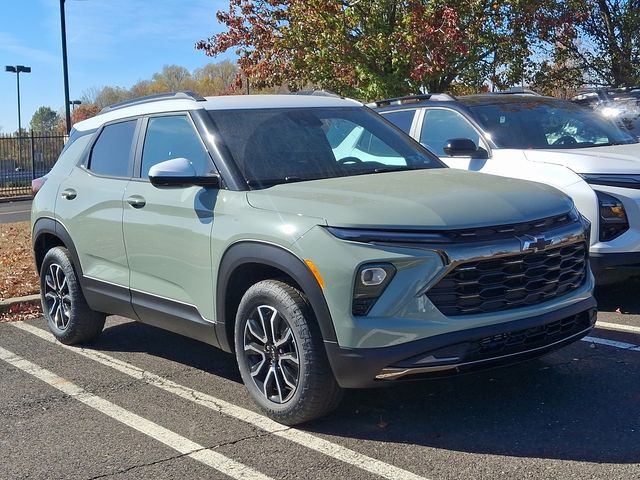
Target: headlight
(613, 218)
(371, 281)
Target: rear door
(90, 206)
(167, 231)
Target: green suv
(256, 225)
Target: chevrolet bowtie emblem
(529, 242)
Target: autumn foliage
(379, 48)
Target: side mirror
(464, 147)
(178, 172)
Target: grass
(17, 271)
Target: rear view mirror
(178, 172)
(464, 147)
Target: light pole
(18, 69)
(73, 104)
(65, 67)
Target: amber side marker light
(315, 272)
(36, 184)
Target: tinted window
(440, 125)
(401, 118)
(281, 145)
(547, 124)
(111, 153)
(173, 137)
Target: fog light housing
(613, 218)
(371, 281)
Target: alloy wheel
(272, 354)
(57, 297)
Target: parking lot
(142, 403)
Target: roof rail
(187, 94)
(317, 93)
(411, 99)
(518, 91)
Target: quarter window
(174, 137)
(440, 125)
(111, 154)
(401, 119)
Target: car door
(437, 125)
(90, 206)
(167, 230)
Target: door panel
(167, 231)
(92, 214)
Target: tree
(600, 37)
(376, 48)
(84, 111)
(215, 78)
(44, 119)
(173, 78)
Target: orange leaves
(17, 270)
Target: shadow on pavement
(624, 296)
(579, 403)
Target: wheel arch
(48, 233)
(247, 262)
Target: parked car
(546, 140)
(619, 104)
(238, 221)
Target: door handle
(136, 201)
(69, 194)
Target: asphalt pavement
(141, 403)
(15, 211)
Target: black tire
(316, 391)
(63, 304)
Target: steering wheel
(349, 160)
(565, 140)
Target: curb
(5, 305)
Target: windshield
(547, 124)
(272, 146)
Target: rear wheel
(281, 356)
(63, 304)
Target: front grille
(514, 281)
(508, 231)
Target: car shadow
(622, 296)
(580, 403)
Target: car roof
(230, 102)
(506, 98)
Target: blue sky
(109, 42)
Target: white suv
(545, 140)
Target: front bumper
(628, 262)
(462, 350)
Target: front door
(167, 231)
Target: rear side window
(401, 118)
(111, 154)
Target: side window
(111, 153)
(401, 118)
(440, 125)
(171, 137)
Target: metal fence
(25, 157)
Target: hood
(620, 159)
(438, 198)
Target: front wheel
(281, 355)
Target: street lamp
(18, 69)
(73, 104)
(65, 67)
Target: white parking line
(171, 439)
(612, 343)
(618, 326)
(338, 452)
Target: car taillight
(36, 184)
